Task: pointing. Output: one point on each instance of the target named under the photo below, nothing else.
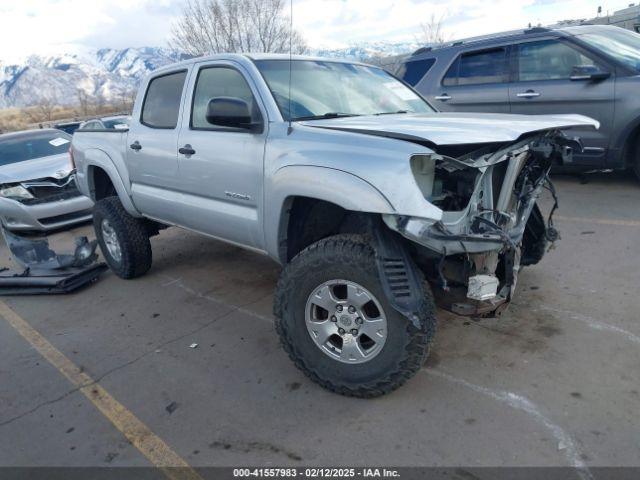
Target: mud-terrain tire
(123, 239)
(349, 258)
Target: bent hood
(454, 128)
(54, 166)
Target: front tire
(336, 324)
(123, 239)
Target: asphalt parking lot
(554, 382)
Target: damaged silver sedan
(37, 182)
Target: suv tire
(330, 263)
(636, 158)
(123, 239)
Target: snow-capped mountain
(109, 74)
(104, 73)
(369, 50)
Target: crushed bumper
(45, 271)
(472, 255)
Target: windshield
(623, 45)
(32, 145)
(321, 89)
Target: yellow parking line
(599, 221)
(149, 444)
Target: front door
(152, 156)
(543, 85)
(221, 168)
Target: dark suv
(593, 70)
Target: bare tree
(99, 102)
(84, 101)
(433, 32)
(221, 26)
(42, 108)
(389, 63)
(127, 97)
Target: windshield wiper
(325, 115)
(392, 113)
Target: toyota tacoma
(378, 207)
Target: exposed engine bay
(491, 225)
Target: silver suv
(593, 70)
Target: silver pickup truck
(377, 206)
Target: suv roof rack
(481, 38)
(537, 30)
(422, 50)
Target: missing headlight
(446, 182)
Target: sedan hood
(454, 128)
(55, 166)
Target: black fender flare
(400, 277)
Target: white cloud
(342, 22)
(56, 26)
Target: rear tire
(123, 239)
(348, 262)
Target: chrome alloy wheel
(346, 321)
(111, 240)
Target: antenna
(290, 129)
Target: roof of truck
(253, 57)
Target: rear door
(476, 81)
(222, 177)
(543, 85)
(152, 153)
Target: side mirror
(588, 72)
(230, 112)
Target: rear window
(487, 66)
(414, 70)
(162, 101)
(30, 146)
(116, 123)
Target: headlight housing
(17, 192)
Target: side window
(414, 70)
(215, 82)
(162, 101)
(451, 77)
(548, 60)
(487, 66)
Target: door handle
(444, 97)
(135, 146)
(186, 150)
(528, 94)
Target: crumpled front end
(43, 204)
(491, 225)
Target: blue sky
(57, 26)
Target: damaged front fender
(487, 200)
